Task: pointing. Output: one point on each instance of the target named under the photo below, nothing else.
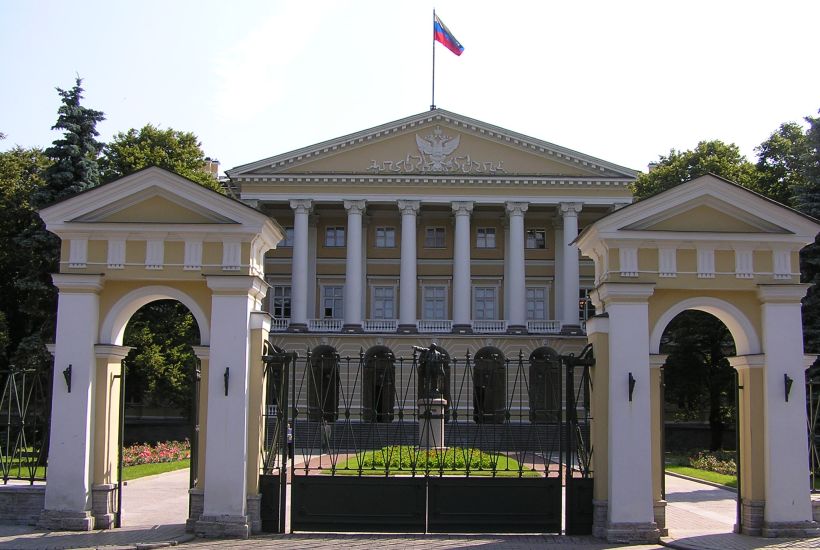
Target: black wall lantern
(67, 376)
(631, 386)
(227, 377)
(787, 380)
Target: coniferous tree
(807, 200)
(74, 156)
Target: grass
(720, 479)
(142, 470)
(405, 460)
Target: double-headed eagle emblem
(435, 149)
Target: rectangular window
(484, 303)
(280, 302)
(385, 237)
(435, 302)
(434, 237)
(585, 307)
(536, 304)
(384, 302)
(332, 302)
(536, 238)
(485, 237)
(334, 236)
(287, 242)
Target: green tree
(159, 370)
(807, 200)
(26, 293)
(697, 374)
(74, 156)
(173, 150)
(714, 157)
(780, 163)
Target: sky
(622, 81)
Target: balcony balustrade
(279, 324)
(325, 325)
(434, 325)
(543, 327)
(380, 325)
(490, 326)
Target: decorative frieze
(706, 263)
(782, 260)
(667, 262)
(116, 253)
(628, 258)
(154, 253)
(231, 255)
(78, 251)
(744, 263)
(193, 255)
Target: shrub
(167, 451)
(721, 462)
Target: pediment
(153, 205)
(435, 143)
(153, 200)
(706, 214)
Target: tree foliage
(74, 165)
(160, 368)
(807, 200)
(173, 150)
(716, 157)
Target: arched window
(378, 385)
(323, 385)
(489, 386)
(545, 385)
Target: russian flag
(442, 34)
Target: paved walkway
(700, 517)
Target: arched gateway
(153, 236)
(707, 245)
(713, 246)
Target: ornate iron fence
(25, 408)
(813, 423)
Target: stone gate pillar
(68, 491)
(225, 504)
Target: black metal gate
(362, 461)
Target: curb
(696, 480)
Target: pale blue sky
(624, 81)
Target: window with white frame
(384, 302)
(536, 303)
(332, 302)
(536, 238)
(287, 242)
(385, 237)
(485, 237)
(434, 237)
(334, 236)
(484, 303)
(280, 301)
(434, 300)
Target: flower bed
(721, 462)
(167, 451)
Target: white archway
(743, 332)
(113, 327)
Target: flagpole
(433, 100)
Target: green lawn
(400, 461)
(720, 479)
(142, 470)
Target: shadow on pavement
(12, 537)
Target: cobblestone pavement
(700, 517)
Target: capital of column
(69, 282)
(111, 351)
(355, 207)
(409, 207)
(202, 352)
(301, 206)
(782, 294)
(572, 209)
(462, 208)
(239, 285)
(516, 208)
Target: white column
(517, 276)
(630, 506)
(226, 443)
(507, 268)
(311, 280)
(299, 281)
(462, 288)
(68, 492)
(786, 480)
(353, 267)
(408, 280)
(569, 267)
(558, 282)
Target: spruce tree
(807, 200)
(74, 156)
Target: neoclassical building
(431, 226)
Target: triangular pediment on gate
(706, 207)
(150, 200)
(436, 142)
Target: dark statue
(431, 370)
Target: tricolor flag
(442, 34)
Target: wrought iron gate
(369, 453)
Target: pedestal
(431, 422)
